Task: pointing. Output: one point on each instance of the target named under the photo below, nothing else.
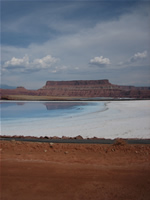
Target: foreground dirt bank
(74, 171)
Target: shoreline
(42, 98)
(126, 119)
(74, 140)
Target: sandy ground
(74, 171)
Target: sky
(75, 40)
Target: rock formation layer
(83, 88)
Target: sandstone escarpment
(92, 88)
(77, 83)
(82, 89)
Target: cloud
(100, 61)
(25, 65)
(17, 62)
(138, 56)
(135, 59)
(44, 62)
(117, 39)
(75, 37)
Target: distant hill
(2, 86)
(80, 89)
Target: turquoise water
(109, 119)
(43, 118)
(34, 110)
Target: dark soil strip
(79, 141)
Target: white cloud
(24, 63)
(17, 62)
(138, 56)
(136, 59)
(44, 62)
(100, 61)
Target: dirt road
(51, 171)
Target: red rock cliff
(77, 82)
(92, 88)
(83, 88)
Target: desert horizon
(75, 100)
(77, 90)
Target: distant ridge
(3, 86)
(78, 89)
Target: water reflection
(48, 105)
(18, 110)
(62, 105)
(20, 103)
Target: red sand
(45, 171)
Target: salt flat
(130, 119)
(124, 119)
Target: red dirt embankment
(51, 171)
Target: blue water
(126, 119)
(43, 118)
(33, 110)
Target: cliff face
(92, 88)
(77, 83)
(83, 88)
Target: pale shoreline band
(123, 119)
